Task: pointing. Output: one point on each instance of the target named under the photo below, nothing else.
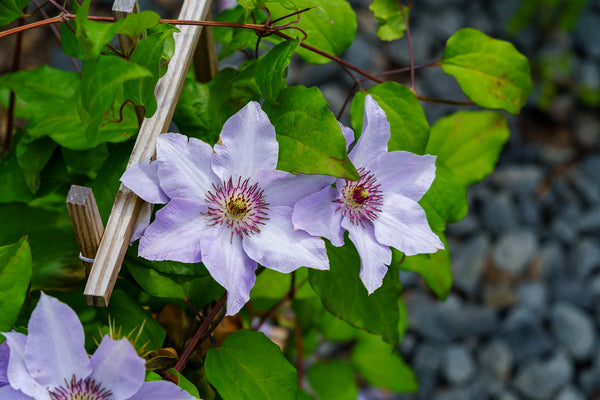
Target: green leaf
(337, 330)
(135, 24)
(309, 136)
(330, 26)
(69, 41)
(15, 275)
(93, 35)
(469, 143)
(344, 295)
(491, 72)
(271, 69)
(381, 366)
(433, 268)
(251, 5)
(271, 286)
(234, 39)
(333, 380)
(13, 186)
(184, 383)
(389, 17)
(86, 161)
(250, 366)
(11, 10)
(32, 156)
(408, 124)
(446, 199)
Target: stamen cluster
(361, 200)
(240, 206)
(80, 389)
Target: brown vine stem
(10, 121)
(200, 333)
(410, 48)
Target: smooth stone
(589, 221)
(515, 250)
(589, 381)
(468, 225)
(584, 185)
(469, 263)
(587, 128)
(534, 296)
(564, 287)
(586, 257)
(499, 214)
(552, 258)
(540, 380)
(587, 33)
(522, 179)
(570, 393)
(591, 164)
(496, 358)
(575, 329)
(525, 335)
(457, 364)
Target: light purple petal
(8, 393)
(403, 225)
(161, 390)
(279, 247)
(118, 367)
(248, 144)
(175, 233)
(374, 257)
(142, 178)
(348, 135)
(374, 137)
(4, 354)
(316, 214)
(404, 173)
(17, 372)
(229, 265)
(55, 344)
(142, 222)
(285, 189)
(184, 166)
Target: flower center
(241, 207)
(80, 389)
(361, 200)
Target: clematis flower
(50, 363)
(230, 209)
(379, 210)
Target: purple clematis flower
(50, 363)
(230, 209)
(379, 210)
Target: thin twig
(410, 48)
(61, 8)
(10, 121)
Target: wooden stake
(127, 205)
(86, 221)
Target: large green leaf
(250, 366)
(491, 72)
(333, 380)
(309, 136)
(272, 68)
(92, 35)
(381, 366)
(389, 17)
(236, 39)
(11, 10)
(408, 124)
(15, 275)
(32, 156)
(330, 26)
(135, 24)
(469, 143)
(344, 295)
(13, 186)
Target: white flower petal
(348, 134)
(17, 372)
(285, 189)
(317, 215)
(374, 137)
(142, 178)
(161, 390)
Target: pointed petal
(229, 265)
(285, 189)
(403, 225)
(118, 367)
(248, 144)
(348, 135)
(17, 372)
(175, 233)
(142, 178)
(374, 257)
(279, 247)
(161, 390)
(184, 166)
(4, 354)
(55, 344)
(316, 214)
(374, 137)
(8, 393)
(404, 173)
(142, 222)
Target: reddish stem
(10, 121)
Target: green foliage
(250, 366)
(469, 143)
(32, 157)
(390, 19)
(11, 10)
(409, 127)
(15, 275)
(271, 69)
(491, 72)
(333, 380)
(344, 295)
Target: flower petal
(8, 393)
(4, 354)
(118, 367)
(55, 344)
(175, 233)
(348, 135)
(228, 264)
(374, 257)
(403, 225)
(404, 173)
(142, 178)
(161, 390)
(279, 247)
(17, 372)
(374, 137)
(184, 166)
(285, 189)
(248, 144)
(316, 214)
(142, 222)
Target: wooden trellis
(126, 208)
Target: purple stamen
(361, 200)
(80, 389)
